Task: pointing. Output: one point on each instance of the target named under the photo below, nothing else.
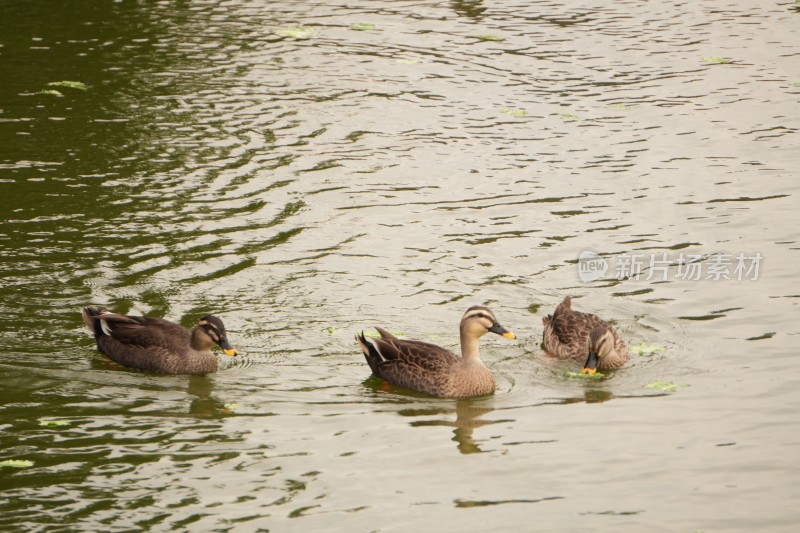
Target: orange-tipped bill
(226, 347)
(590, 367)
(503, 332)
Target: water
(304, 189)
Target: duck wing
(144, 332)
(414, 365)
(146, 343)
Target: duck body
(431, 369)
(157, 345)
(570, 334)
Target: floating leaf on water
(666, 386)
(596, 375)
(53, 423)
(297, 32)
(16, 463)
(50, 92)
(231, 406)
(534, 308)
(362, 26)
(716, 59)
(569, 116)
(643, 349)
(514, 112)
(490, 37)
(329, 330)
(79, 85)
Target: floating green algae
(579, 375)
(362, 26)
(717, 60)
(665, 386)
(78, 85)
(16, 463)
(53, 423)
(514, 112)
(297, 32)
(643, 349)
(490, 37)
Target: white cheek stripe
(104, 326)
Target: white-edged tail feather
(377, 348)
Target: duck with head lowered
(585, 337)
(434, 370)
(158, 345)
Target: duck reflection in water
(472, 9)
(592, 396)
(467, 413)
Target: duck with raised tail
(434, 370)
(585, 337)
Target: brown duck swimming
(571, 334)
(432, 369)
(157, 345)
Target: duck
(158, 345)
(431, 369)
(585, 337)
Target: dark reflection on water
(398, 163)
(473, 9)
(468, 415)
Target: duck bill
(591, 364)
(503, 332)
(227, 348)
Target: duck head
(600, 344)
(208, 331)
(479, 320)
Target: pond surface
(306, 170)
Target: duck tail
(363, 343)
(90, 315)
(371, 352)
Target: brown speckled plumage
(567, 336)
(155, 344)
(431, 369)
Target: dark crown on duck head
(214, 322)
(480, 311)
